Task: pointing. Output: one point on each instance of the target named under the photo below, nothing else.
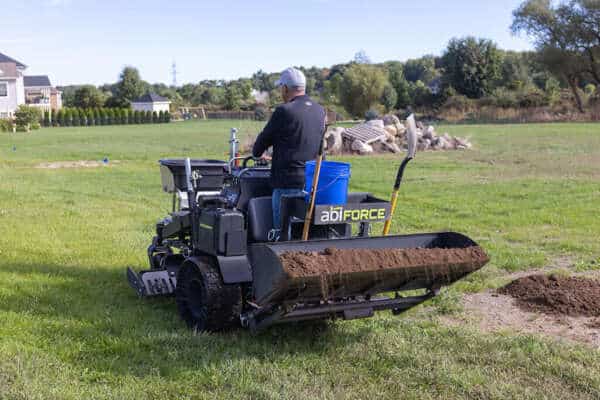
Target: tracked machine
(214, 254)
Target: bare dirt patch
(75, 164)
(563, 308)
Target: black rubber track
(205, 303)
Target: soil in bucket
(334, 261)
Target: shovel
(411, 137)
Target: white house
(17, 88)
(151, 102)
(12, 93)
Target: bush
(91, 121)
(6, 125)
(148, 117)
(53, 118)
(46, 118)
(27, 118)
(504, 98)
(154, 117)
(533, 98)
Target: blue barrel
(333, 182)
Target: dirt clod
(338, 261)
(556, 295)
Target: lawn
(71, 328)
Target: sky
(87, 41)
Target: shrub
(154, 117)
(97, 117)
(76, 117)
(532, 98)
(161, 116)
(148, 117)
(53, 118)
(91, 120)
(60, 118)
(502, 97)
(137, 117)
(27, 118)
(167, 116)
(6, 125)
(46, 121)
(260, 114)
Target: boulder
(334, 141)
(390, 120)
(391, 132)
(361, 147)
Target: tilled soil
(339, 261)
(556, 295)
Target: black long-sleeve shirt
(295, 131)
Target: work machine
(214, 251)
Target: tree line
(563, 69)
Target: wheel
(205, 303)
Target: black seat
(253, 183)
(260, 219)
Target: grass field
(71, 328)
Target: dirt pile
(334, 261)
(556, 295)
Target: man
(295, 131)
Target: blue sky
(89, 41)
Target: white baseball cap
(292, 77)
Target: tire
(204, 302)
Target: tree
(75, 117)
(53, 118)
(233, 98)
(472, 66)
(399, 83)
(389, 97)
(46, 119)
(361, 57)
(362, 87)
(90, 118)
(68, 117)
(60, 119)
(420, 69)
(567, 37)
(129, 87)
(88, 96)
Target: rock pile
(388, 135)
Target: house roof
(7, 59)
(150, 98)
(36, 81)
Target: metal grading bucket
(273, 284)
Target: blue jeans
(276, 203)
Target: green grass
(71, 328)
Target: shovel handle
(394, 200)
(313, 189)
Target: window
(3, 89)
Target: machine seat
(260, 219)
